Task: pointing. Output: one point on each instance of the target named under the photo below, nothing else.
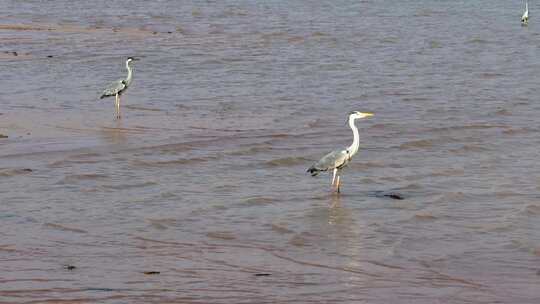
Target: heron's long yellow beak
(368, 114)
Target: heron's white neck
(353, 148)
(129, 74)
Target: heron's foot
(335, 190)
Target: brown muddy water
(200, 195)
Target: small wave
(298, 241)
(532, 209)
(64, 228)
(317, 122)
(140, 108)
(425, 13)
(268, 36)
(515, 131)
(14, 172)
(174, 162)
(258, 201)
(118, 130)
(503, 112)
(161, 224)
(281, 229)
(405, 205)
(69, 162)
(24, 27)
(250, 150)
(366, 181)
(389, 40)
(5, 248)
(129, 186)
(65, 28)
(379, 126)
(414, 99)
(422, 143)
(469, 148)
(478, 41)
(296, 39)
(467, 127)
(424, 216)
(374, 164)
(287, 161)
(319, 34)
(451, 197)
(84, 155)
(222, 235)
(234, 12)
(253, 201)
(490, 227)
(73, 178)
(449, 172)
(487, 75)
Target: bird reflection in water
(116, 134)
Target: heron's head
(130, 59)
(358, 114)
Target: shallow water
(203, 180)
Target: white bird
(118, 87)
(525, 17)
(338, 159)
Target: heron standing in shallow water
(118, 87)
(338, 159)
(525, 17)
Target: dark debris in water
(152, 272)
(396, 196)
(262, 274)
(99, 289)
(392, 195)
(70, 267)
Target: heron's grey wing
(334, 159)
(114, 88)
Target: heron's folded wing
(114, 88)
(332, 160)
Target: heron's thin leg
(337, 183)
(116, 105)
(334, 176)
(119, 97)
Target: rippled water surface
(199, 194)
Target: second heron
(120, 86)
(338, 159)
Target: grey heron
(118, 87)
(338, 159)
(525, 17)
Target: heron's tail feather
(102, 96)
(313, 171)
